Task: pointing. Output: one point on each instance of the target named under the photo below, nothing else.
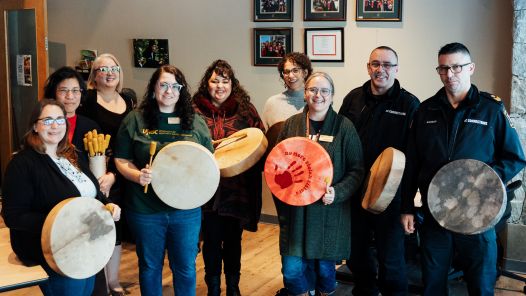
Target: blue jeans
(59, 285)
(476, 254)
(178, 233)
(301, 275)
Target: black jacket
(479, 129)
(381, 121)
(32, 186)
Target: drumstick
(153, 146)
(109, 207)
(237, 137)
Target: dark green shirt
(133, 143)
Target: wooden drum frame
(240, 151)
(383, 180)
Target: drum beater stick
(153, 146)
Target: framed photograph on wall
(325, 10)
(271, 44)
(324, 44)
(379, 10)
(273, 10)
(150, 53)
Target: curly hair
(222, 68)
(183, 107)
(52, 82)
(32, 140)
(296, 58)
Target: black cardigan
(84, 125)
(32, 186)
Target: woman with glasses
(107, 104)
(45, 172)
(314, 237)
(236, 205)
(165, 115)
(293, 69)
(66, 86)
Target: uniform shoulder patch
(496, 98)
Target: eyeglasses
(107, 70)
(294, 71)
(386, 66)
(47, 121)
(455, 69)
(323, 91)
(175, 87)
(65, 91)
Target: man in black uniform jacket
(382, 112)
(458, 122)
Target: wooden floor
(260, 274)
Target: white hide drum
(185, 175)
(466, 196)
(78, 237)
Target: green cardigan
(319, 231)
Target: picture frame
(150, 53)
(379, 10)
(325, 10)
(324, 44)
(271, 44)
(273, 11)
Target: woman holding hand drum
(236, 205)
(164, 116)
(45, 172)
(314, 236)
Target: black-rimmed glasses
(386, 66)
(455, 69)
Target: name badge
(326, 138)
(174, 120)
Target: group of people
(458, 122)
(272, 6)
(272, 49)
(378, 5)
(324, 5)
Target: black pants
(386, 231)
(221, 244)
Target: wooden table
(13, 274)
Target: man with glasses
(382, 112)
(458, 122)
